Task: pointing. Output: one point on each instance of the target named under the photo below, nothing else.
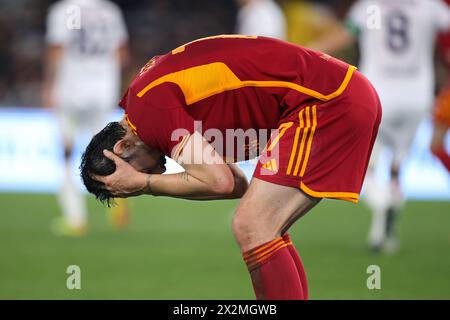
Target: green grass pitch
(175, 249)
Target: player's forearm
(186, 186)
(52, 60)
(123, 55)
(240, 187)
(49, 74)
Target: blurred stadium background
(175, 249)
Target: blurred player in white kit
(397, 43)
(261, 18)
(87, 47)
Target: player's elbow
(223, 185)
(222, 181)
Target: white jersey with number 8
(397, 41)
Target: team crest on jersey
(326, 57)
(148, 66)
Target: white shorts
(397, 132)
(85, 116)
(84, 105)
(80, 121)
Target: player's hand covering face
(133, 160)
(126, 181)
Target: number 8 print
(398, 35)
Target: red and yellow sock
(298, 264)
(273, 271)
(442, 155)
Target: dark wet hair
(93, 161)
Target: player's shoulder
(146, 75)
(360, 8)
(59, 7)
(435, 4)
(433, 8)
(149, 84)
(365, 3)
(267, 6)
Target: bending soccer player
(193, 103)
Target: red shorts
(324, 147)
(442, 108)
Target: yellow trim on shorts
(346, 196)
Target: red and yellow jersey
(444, 42)
(228, 82)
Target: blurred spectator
(309, 20)
(261, 18)
(21, 48)
(155, 27)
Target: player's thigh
(95, 107)
(404, 137)
(96, 119)
(376, 152)
(67, 122)
(397, 132)
(267, 210)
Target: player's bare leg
(377, 202)
(396, 201)
(437, 144)
(385, 203)
(377, 199)
(71, 202)
(264, 215)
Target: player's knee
(223, 186)
(222, 181)
(395, 172)
(67, 152)
(245, 229)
